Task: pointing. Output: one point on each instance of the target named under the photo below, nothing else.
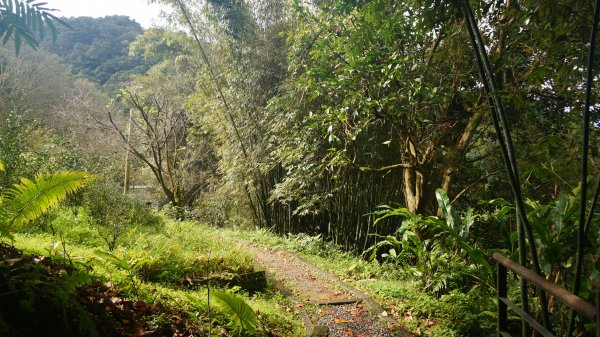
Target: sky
(139, 10)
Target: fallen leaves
(128, 318)
(352, 320)
(429, 323)
(358, 311)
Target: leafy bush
(307, 244)
(471, 313)
(30, 199)
(457, 313)
(114, 214)
(75, 226)
(554, 226)
(445, 260)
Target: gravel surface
(350, 320)
(307, 285)
(330, 310)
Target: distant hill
(97, 48)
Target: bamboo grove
(319, 112)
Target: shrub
(113, 214)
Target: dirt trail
(327, 305)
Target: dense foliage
(380, 103)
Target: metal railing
(573, 301)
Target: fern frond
(29, 200)
(237, 310)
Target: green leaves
(446, 206)
(26, 21)
(113, 259)
(450, 238)
(242, 317)
(29, 200)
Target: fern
(29, 200)
(242, 317)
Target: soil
(332, 308)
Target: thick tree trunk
(413, 188)
(421, 178)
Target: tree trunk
(413, 189)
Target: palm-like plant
(30, 199)
(26, 21)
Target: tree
(380, 93)
(161, 128)
(242, 53)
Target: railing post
(523, 282)
(597, 286)
(502, 293)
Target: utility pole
(127, 170)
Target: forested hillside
(98, 48)
(395, 144)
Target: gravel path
(350, 320)
(333, 308)
(308, 286)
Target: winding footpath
(327, 306)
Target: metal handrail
(573, 301)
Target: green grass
(162, 259)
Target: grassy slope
(164, 256)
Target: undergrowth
(169, 264)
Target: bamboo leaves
(26, 21)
